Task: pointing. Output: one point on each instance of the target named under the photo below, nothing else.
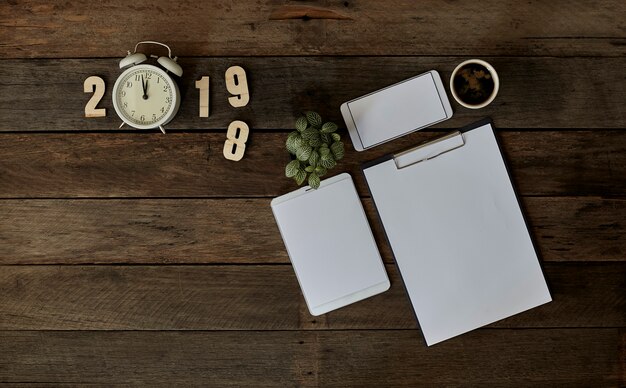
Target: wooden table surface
(139, 258)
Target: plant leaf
(325, 137)
(337, 149)
(300, 177)
(304, 153)
(335, 136)
(329, 127)
(301, 123)
(315, 142)
(324, 150)
(328, 161)
(293, 135)
(314, 181)
(291, 169)
(291, 142)
(320, 171)
(314, 119)
(314, 159)
(300, 144)
(309, 133)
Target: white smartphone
(396, 110)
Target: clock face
(145, 97)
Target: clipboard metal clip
(430, 150)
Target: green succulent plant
(316, 148)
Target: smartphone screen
(396, 110)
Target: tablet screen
(330, 244)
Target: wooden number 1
(236, 137)
(94, 85)
(203, 85)
(237, 84)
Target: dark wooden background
(135, 257)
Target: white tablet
(330, 244)
(396, 110)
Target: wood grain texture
(492, 358)
(364, 27)
(164, 231)
(138, 203)
(262, 298)
(192, 165)
(44, 95)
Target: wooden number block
(94, 85)
(237, 84)
(203, 85)
(236, 137)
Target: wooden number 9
(236, 137)
(237, 84)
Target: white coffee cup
(492, 72)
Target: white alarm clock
(146, 96)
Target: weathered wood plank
(262, 298)
(493, 358)
(152, 231)
(47, 95)
(77, 29)
(192, 164)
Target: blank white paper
(459, 237)
(330, 244)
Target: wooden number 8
(236, 137)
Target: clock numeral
(137, 78)
(142, 118)
(162, 109)
(168, 99)
(94, 85)
(148, 75)
(123, 93)
(237, 84)
(125, 104)
(236, 137)
(166, 88)
(129, 84)
(153, 117)
(158, 79)
(203, 86)
(132, 113)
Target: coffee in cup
(474, 83)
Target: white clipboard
(330, 244)
(457, 232)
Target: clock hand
(144, 86)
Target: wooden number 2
(237, 84)
(203, 85)
(236, 137)
(94, 85)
